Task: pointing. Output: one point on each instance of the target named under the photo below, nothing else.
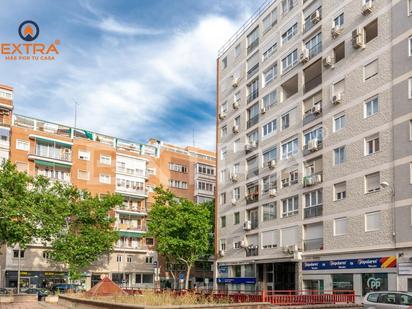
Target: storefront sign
(378, 262)
(237, 280)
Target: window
(410, 46)
(269, 182)
(372, 144)
(339, 52)
(224, 62)
(290, 61)
(268, 155)
(223, 221)
(237, 51)
(119, 259)
(106, 160)
(371, 31)
(288, 34)
(223, 153)
(151, 171)
(236, 145)
(288, 5)
(410, 130)
(149, 241)
(290, 206)
(288, 119)
(236, 193)
(405, 299)
(236, 218)
(223, 244)
(81, 174)
(340, 226)
(339, 191)
(270, 239)
(370, 70)
(270, 74)
(339, 21)
(290, 236)
(313, 198)
(103, 178)
(314, 45)
(339, 122)
(46, 255)
(269, 211)
(372, 182)
(16, 254)
(371, 107)
(253, 90)
(223, 108)
(149, 260)
(270, 20)
(177, 167)
(409, 7)
(223, 176)
(222, 198)
(270, 99)
(22, 145)
(410, 88)
(223, 131)
(253, 40)
(129, 259)
(178, 184)
(269, 128)
(84, 155)
(339, 154)
(289, 148)
(316, 134)
(372, 221)
(269, 51)
(22, 167)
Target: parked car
(3, 291)
(38, 291)
(388, 300)
(65, 287)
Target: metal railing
(255, 16)
(54, 153)
(313, 179)
(252, 121)
(253, 95)
(252, 198)
(313, 244)
(253, 70)
(131, 171)
(252, 251)
(308, 297)
(313, 83)
(313, 211)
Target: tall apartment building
(100, 164)
(314, 148)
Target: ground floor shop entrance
(34, 279)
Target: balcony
(253, 95)
(252, 121)
(252, 251)
(131, 210)
(204, 192)
(313, 244)
(312, 146)
(131, 190)
(313, 73)
(131, 171)
(313, 211)
(252, 198)
(253, 71)
(312, 114)
(132, 227)
(251, 47)
(312, 180)
(59, 154)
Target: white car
(388, 300)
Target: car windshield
(373, 297)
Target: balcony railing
(131, 190)
(306, 150)
(252, 198)
(253, 71)
(131, 171)
(313, 83)
(313, 244)
(252, 251)
(252, 121)
(313, 211)
(253, 95)
(62, 154)
(315, 50)
(129, 227)
(251, 47)
(313, 179)
(131, 208)
(311, 115)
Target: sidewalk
(30, 305)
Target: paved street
(34, 305)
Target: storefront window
(374, 282)
(249, 271)
(409, 285)
(237, 270)
(342, 282)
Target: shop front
(35, 279)
(361, 275)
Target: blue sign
(375, 262)
(223, 269)
(181, 276)
(236, 280)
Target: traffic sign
(155, 264)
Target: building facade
(314, 148)
(101, 164)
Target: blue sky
(138, 69)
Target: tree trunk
(189, 267)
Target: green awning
(131, 234)
(46, 140)
(51, 164)
(88, 134)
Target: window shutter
(289, 236)
(314, 231)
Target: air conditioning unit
(367, 8)
(337, 98)
(336, 31)
(222, 115)
(221, 253)
(272, 163)
(242, 244)
(313, 144)
(236, 104)
(316, 109)
(234, 177)
(247, 225)
(263, 109)
(235, 129)
(234, 201)
(308, 181)
(328, 61)
(290, 249)
(357, 38)
(250, 146)
(272, 192)
(304, 55)
(318, 178)
(235, 82)
(315, 17)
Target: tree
(181, 229)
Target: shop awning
(51, 164)
(131, 234)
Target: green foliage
(210, 205)
(181, 228)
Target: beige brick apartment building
(100, 164)
(314, 148)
